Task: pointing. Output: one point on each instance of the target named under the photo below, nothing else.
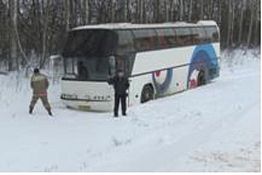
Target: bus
(158, 59)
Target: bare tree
(253, 12)
(181, 10)
(190, 10)
(229, 22)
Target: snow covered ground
(212, 128)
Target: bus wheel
(147, 94)
(201, 79)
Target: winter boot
(49, 112)
(30, 110)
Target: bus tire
(201, 79)
(147, 93)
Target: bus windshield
(87, 53)
(96, 42)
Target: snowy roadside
(212, 128)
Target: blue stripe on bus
(203, 53)
(162, 88)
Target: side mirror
(56, 65)
(55, 57)
(112, 65)
(55, 60)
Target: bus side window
(145, 39)
(161, 38)
(179, 40)
(195, 36)
(202, 35)
(125, 42)
(183, 36)
(212, 34)
(166, 37)
(198, 35)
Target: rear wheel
(201, 79)
(147, 94)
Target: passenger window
(125, 42)
(183, 36)
(198, 35)
(212, 34)
(195, 36)
(166, 38)
(145, 39)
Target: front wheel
(147, 94)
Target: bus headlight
(102, 98)
(108, 98)
(87, 97)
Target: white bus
(158, 59)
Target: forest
(33, 30)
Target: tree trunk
(257, 28)
(156, 11)
(202, 10)
(16, 35)
(220, 12)
(67, 14)
(253, 12)
(190, 10)
(243, 6)
(229, 22)
(141, 11)
(13, 44)
(167, 8)
(232, 23)
(86, 11)
(181, 11)
(125, 10)
(44, 46)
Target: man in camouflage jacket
(39, 84)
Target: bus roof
(142, 26)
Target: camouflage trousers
(44, 100)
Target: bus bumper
(86, 105)
(87, 95)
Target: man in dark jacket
(121, 84)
